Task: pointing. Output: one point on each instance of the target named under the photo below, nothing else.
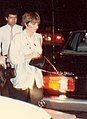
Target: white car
(15, 109)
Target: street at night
(63, 32)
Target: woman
(26, 45)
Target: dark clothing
(29, 95)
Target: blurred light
(63, 84)
(58, 37)
(59, 83)
(49, 38)
(62, 97)
(52, 82)
(71, 84)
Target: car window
(82, 46)
(77, 42)
(73, 41)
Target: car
(73, 58)
(55, 82)
(13, 109)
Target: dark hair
(12, 11)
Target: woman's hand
(3, 61)
(32, 55)
(35, 55)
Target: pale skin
(11, 19)
(3, 61)
(31, 28)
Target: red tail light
(71, 84)
(59, 83)
(53, 38)
(59, 38)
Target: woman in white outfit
(28, 83)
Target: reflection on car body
(73, 58)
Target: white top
(5, 36)
(15, 109)
(25, 73)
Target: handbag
(10, 72)
(38, 62)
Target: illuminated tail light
(59, 38)
(71, 84)
(63, 84)
(53, 37)
(59, 83)
(52, 83)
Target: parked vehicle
(55, 82)
(73, 58)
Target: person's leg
(4, 88)
(17, 93)
(36, 94)
(10, 89)
(21, 94)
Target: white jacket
(26, 74)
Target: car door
(73, 58)
(67, 57)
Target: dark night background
(68, 14)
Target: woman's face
(32, 26)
